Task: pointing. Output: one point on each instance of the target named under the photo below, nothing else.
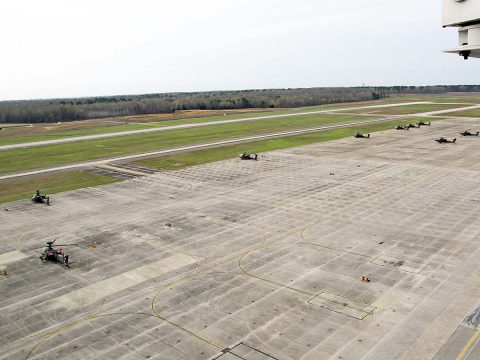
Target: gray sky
(64, 48)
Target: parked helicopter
(40, 199)
(421, 123)
(245, 156)
(468, 133)
(412, 126)
(400, 127)
(51, 253)
(442, 140)
(361, 136)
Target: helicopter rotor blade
(45, 246)
(36, 248)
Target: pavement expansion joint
(243, 351)
(342, 305)
(400, 264)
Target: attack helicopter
(468, 133)
(361, 136)
(442, 140)
(245, 156)
(40, 199)
(400, 127)
(421, 123)
(51, 253)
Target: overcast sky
(66, 48)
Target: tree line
(62, 110)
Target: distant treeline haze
(60, 110)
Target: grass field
(12, 190)
(5, 139)
(461, 98)
(52, 155)
(104, 129)
(149, 119)
(46, 156)
(41, 132)
(192, 158)
(466, 113)
(468, 98)
(52, 131)
(409, 109)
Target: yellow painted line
(467, 347)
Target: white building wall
(457, 13)
(465, 15)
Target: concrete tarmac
(258, 259)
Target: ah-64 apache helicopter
(442, 140)
(51, 253)
(421, 123)
(245, 156)
(468, 133)
(361, 136)
(40, 199)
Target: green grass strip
(52, 155)
(24, 188)
(192, 158)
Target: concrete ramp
(99, 290)
(11, 257)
